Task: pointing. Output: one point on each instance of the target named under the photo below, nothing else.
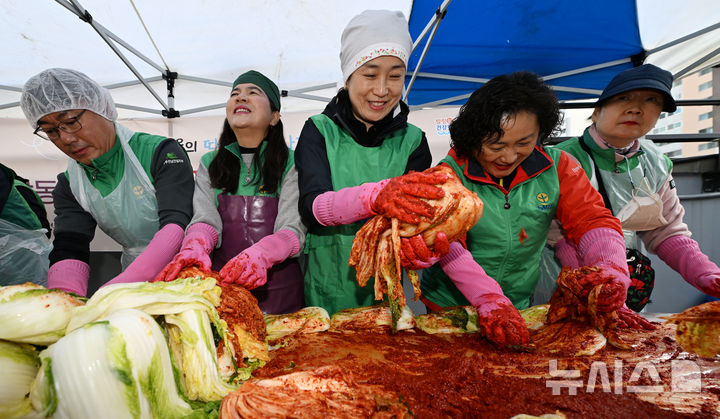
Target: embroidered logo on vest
(543, 199)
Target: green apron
(495, 241)
(24, 247)
(329, 281)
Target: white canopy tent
(128, 46)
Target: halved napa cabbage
(461, 319)
(202, 376)
(306, 320)
(698, 329)
(33, 314)
(19, 364)
(154, 298)
(535, 316)
(372, 317)
(119, 366)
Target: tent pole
(10, 88)
(441, 10)
(131, 83)
(85, 16)
(439, 15)
(9, 105)
(696, 63)
(587, 69)
(451, 77)
(203, 80)
(311, 97)
(204, 108)
(138, 108)
(311, 88)
(82, 13)
(684, 38)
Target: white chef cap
(372, 34)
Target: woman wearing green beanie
(245, 203)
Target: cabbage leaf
(120, 364)
(33, 314)
(19, 364)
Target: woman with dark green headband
(245, 203)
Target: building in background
(704, 84)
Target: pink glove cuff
(279, 246)
(69, 275)
(486, 303)
(683, 254)
(347, 205)
(605, 248)
(203, 231)
(567, 253)
(158, 253)
(467, 275)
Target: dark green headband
(267, 85)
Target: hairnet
(62, 89)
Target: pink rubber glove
(683, 254)
(69, 275)
(401, 197)
(199, 241)
(347, 205)
(163, 246)
(414, 253)
(398, 197)
(499, 320)
(250, 267)
(605, 248)
(566, 252)
(630, 319)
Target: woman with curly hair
(497, 152)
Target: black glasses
(71, 125)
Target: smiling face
(520, 134)
(375, 88)
(628, 116)
(94, 139)
(249, 114)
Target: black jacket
(311, 160)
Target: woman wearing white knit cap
(347, 154)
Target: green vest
(254, 186)
(649, 162)
(329, 281)
(506, 243)
(16, 209)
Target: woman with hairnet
(136, 187)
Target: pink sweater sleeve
(673, 212)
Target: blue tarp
(487, 38)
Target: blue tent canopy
(483, 39)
